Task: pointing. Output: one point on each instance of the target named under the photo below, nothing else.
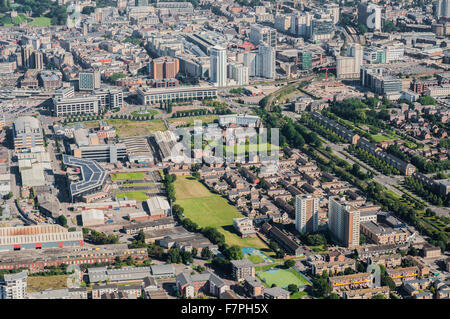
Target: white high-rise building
(239, 73)
(333, 10)
(306, 213)
(250, 62)
(218, 66)
(443, 8)
(265, 64)
(260, 33)
(14, 286)
(301, 24)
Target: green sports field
(208, 209)
(127, 176)
(281, 277)
(140, 196)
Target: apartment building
(242, 268)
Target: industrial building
(38, 237)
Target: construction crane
(326, 71)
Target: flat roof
(93, 174)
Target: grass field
(208, 209)
(381, 138)
(190, 120)
(38, 283)
(137, 184)
(299, 295)
(144, 112)
(127, 176)
(140, 196)
(127, 128)
(41, 22)
(282, 277)
(256, 259)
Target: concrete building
(348, 67)
(164, 68)
(306, 213)
(218, 66)
(27, 133)
(343, 222)
(89, 80)
(153, 96)
(242, 269)
(262, 34)
(14, 286)
(92, 217)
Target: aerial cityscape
(233, 149)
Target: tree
(62, 220)
(206, 253)
(289, 263)
(174, 256)
(233, 253)
(292, 288)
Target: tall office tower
(306, 213)
(89, 80)
(442, 9)
(141, 3)
(250, 62)
(218, 66)
(38, 60)
(369, 14)
(262, 34)
(349, 67)
(27, 133)
(333, 10)
(164, 68)
(301, 24)
(343, 222)
(27, 53)
(265, 62)
(14, 286)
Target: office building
(89, 80)
(93, 176)
(261, 34)
(157, 95)
(27, 133)
(343, 222)
(369, 15)
(14, 286)
(306, 213)
(75, 105)
(218, 66)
